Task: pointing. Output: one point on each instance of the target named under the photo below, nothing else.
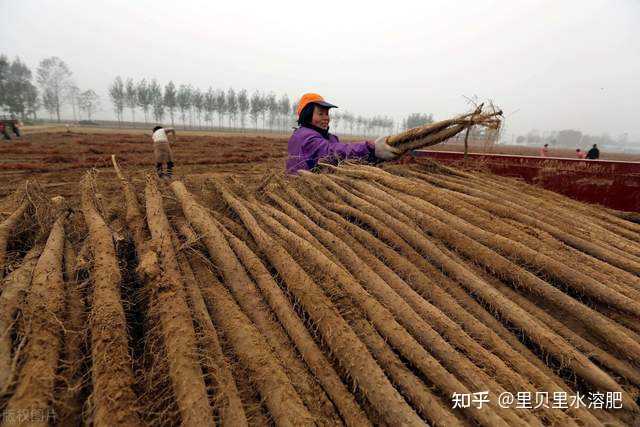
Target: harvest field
(59, 158)
(364, 295)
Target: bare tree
(390, 124)
(243, 106)
(131, 98)
(54, 77)
(265, 107)
(117, 96)
(49, 102)
(143, 92)
(184, 99)
(360, 124)
(271, 107)
(232, 106)
(209, 105)
(350, 119)
(170, 99)
(198, 104)
(293, 114)
(335, 118)
(284, 106)
(89, 102)
(221, 106)
(256, 107)
(157, 101)
(372, 123)
(32, 102)
(72, 95)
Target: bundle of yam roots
(364, 296)
(437, 132)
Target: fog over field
(550, 65)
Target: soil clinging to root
(357, 296)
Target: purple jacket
(308, 146)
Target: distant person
(3, 131)
(594, 153)
(15, 126)
(162, 151)
(544, 151)
(580, 154)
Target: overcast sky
(549, 64)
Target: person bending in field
(162, 151)
(311, 142)
(580, 154)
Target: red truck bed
(614, 184)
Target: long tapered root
(392, 295)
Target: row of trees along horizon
(176, 104)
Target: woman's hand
(384, 151)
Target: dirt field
(232, 295)
(58, 159)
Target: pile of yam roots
(361, 296)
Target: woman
(162, 151)
(312, 142)
(544, 151)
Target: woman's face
(320, 117)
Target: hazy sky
(550, 64)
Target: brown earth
(58, 159)
(362, 295)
